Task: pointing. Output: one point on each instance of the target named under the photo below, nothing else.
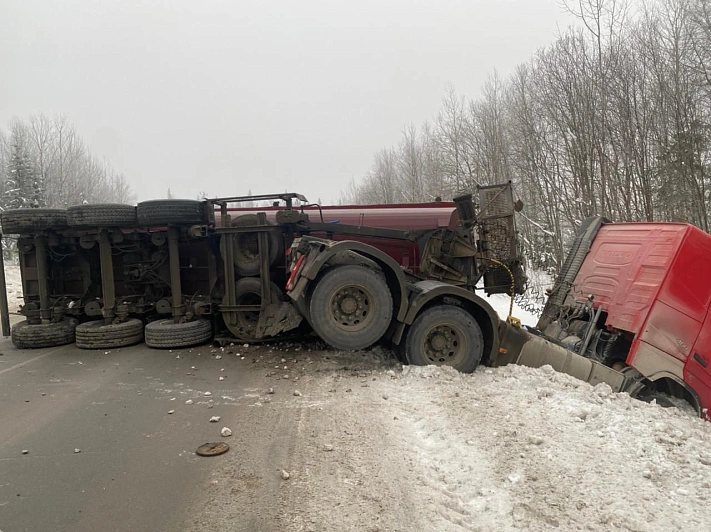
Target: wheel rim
(248, 245)
(445, 345)
(249, 318)
(350, 308)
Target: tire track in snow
(462, 490)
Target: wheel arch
(394, 276)
(670, 384)
(425, 294)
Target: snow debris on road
(225, 432)
(214, 419)
(550, 451)
(510, 448)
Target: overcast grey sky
(225, 96)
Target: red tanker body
(402, 217)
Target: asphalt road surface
(110, 441)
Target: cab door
(697, 371)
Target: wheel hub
(444, 345)
(438, 342)
(350, 307)
(249, 245)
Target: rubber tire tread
(23, 221)
(253, 285)
(165, 333)
(170, 212)
(247, 266)
(439, 315)
(330, 282)
(32, 336)
(96, 335)
(102, 215)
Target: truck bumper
(521, 347)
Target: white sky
(225, 96)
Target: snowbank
(517, 447)
(13, 282)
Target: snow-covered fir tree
(23, 184)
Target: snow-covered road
(510, 448)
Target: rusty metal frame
(108, 288)
(230, 308)
(4, 310)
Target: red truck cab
(649, 287)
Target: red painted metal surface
(403, 217)
(654, 280)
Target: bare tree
(66, 172)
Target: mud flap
(539, 352)
(277, 318)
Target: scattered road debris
(212, 449)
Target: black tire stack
(23, 221)
(102, 215)
(97, 335)
(27, 335)
(166, 333)
(170, 212)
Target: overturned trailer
(181, 272)
(630, 308)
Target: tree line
(45, 163)
(613, 119)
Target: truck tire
(31, 336)
(351, 307)
(246, 246)
(445, 336)
(23, 221)
(248, 291)
(102, 215)
(96, 335)
(171, 212)
(166, 333)
(662, 400)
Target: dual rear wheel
(351, 308)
